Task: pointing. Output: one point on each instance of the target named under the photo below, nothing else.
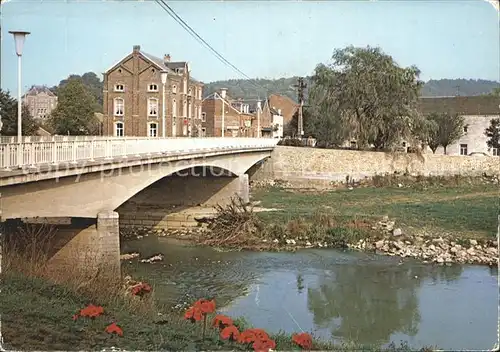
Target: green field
(465, 210)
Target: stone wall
(322, 166)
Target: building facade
(134, 93)
(40, 101)
(477, 111)
(238, 121)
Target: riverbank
(37, 314)
(436, 220)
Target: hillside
(260, 88)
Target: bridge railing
(34, 153)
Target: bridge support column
(244, 188)
(91, 252)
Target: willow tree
(364, 94)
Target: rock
(379, 244)
(440, 260)
(473, 242)
(495, 243)
(400, 185)
(471, 251)
(275, 240)
(453, 250)
(398, 244)
(432, 247)
(155, 258)
(129, 256)
(397, 232)
(308, 244)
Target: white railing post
(108, 150)
(92, 147)
(54, 152)
(74, 145)
(32, 155)
(8, 157)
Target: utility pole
(458, 91)
(300, 92)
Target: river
(334, 294)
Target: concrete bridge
(89, 178)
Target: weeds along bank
(308, 167)
(97, 314)
(436, 219)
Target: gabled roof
(473, 105)
(35, 90)
(157, 61)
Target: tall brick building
(133, 96)
(40, 101)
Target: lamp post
(19, 37)
(163, 107)
(223, 96)
(259, 106)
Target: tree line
(79, 98)
(363, 95)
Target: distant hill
(260, 88)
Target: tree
(74, 113)
(365, 95)
(493, 133)
(449, 128)
(89, 80)
(8, 111)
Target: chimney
(279, 112)
(137, 48)
(223, 93)
(166, 58)
(259, 105)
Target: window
(190, 91)
(119, 88)
(153, 129)
(466, 128)
(199, 93)
(119, 106)
(495, 151)
(404, 144)
(153, 87)
(185, 86)
(463, 149)
(203, 132)
(203, 116)
(184, 109)
(174, 89)
(152, 107)
(190, 110)
(174, 108)
(199, 112)
(119, 129)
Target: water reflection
(355, 299)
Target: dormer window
(153, 87)
(466, 128)
(119, 88)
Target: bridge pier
(244, 188)
(89, 252)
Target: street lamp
(223, 96)
(163, 76)
(19, 37)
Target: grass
(465, 210)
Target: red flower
(304, 340)
(205, 306)
(252, 335)
(140, 289)
(90, 311)
(222, 321)
(113, 328)
(193, 314)
(264, 345)
(230, 333)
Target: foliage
(365, 95)
(493, 133)
(74, 113)
(89, 80)
(446, 129)
(260, 88)
(291, 142)
(8, 111)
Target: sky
(264, 39)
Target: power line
(195, 35)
